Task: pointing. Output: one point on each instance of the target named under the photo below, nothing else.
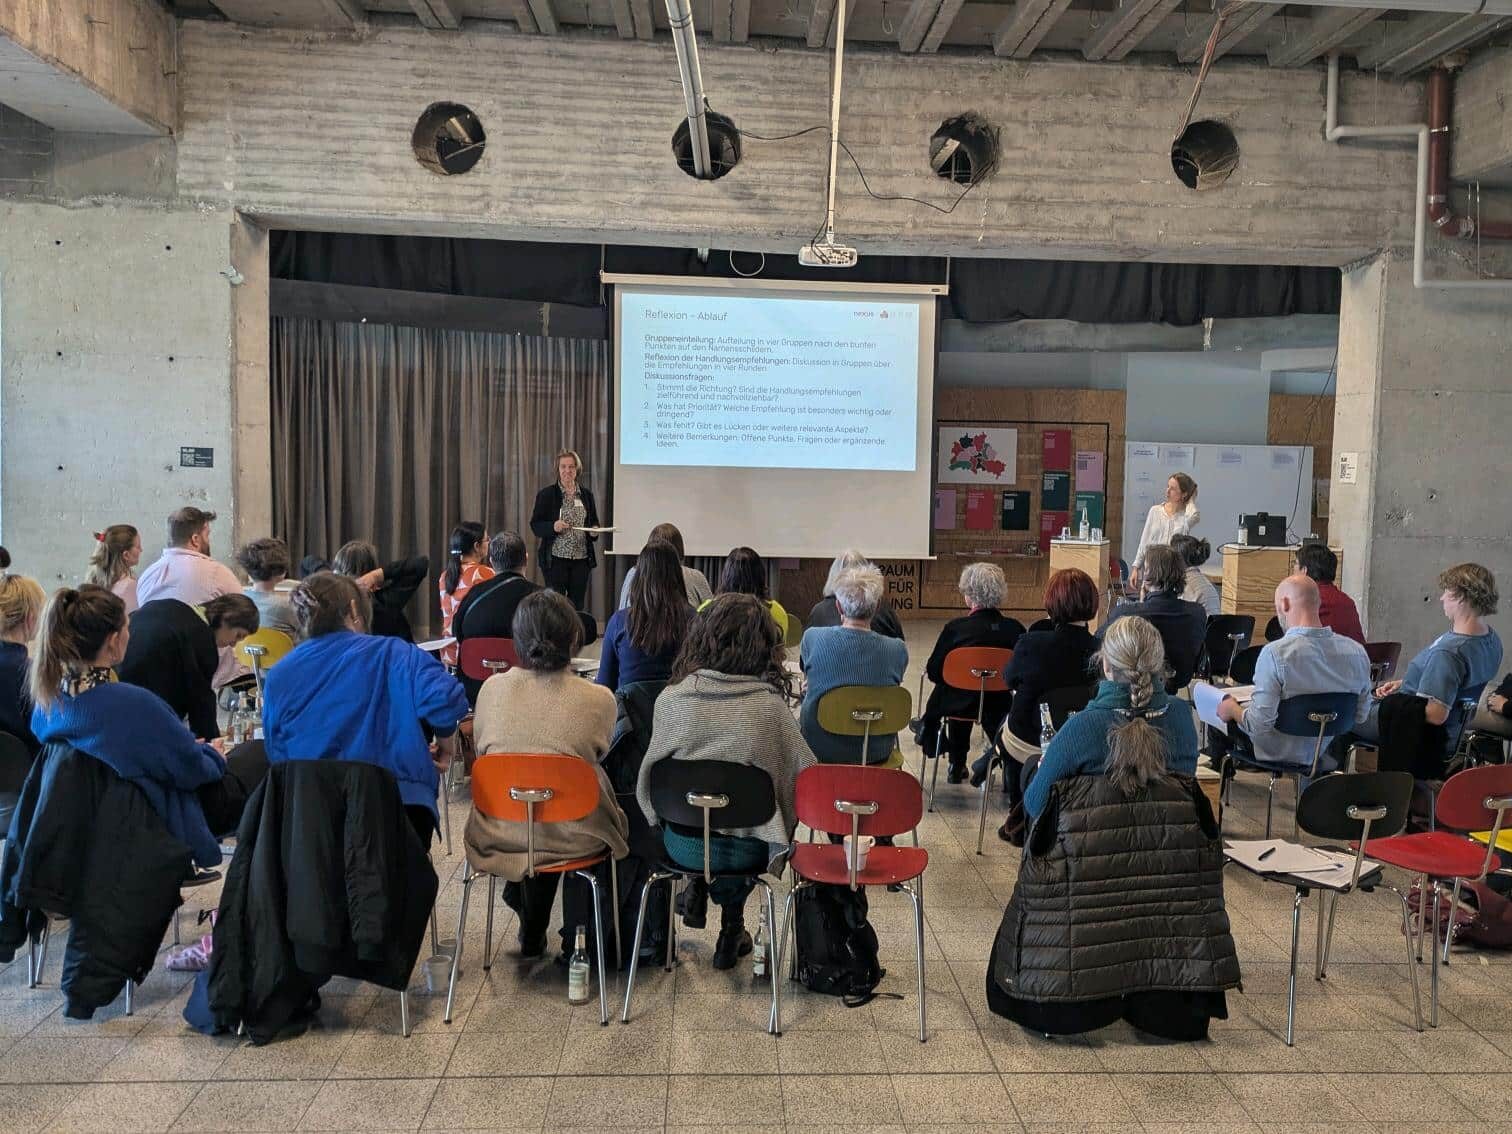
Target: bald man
(1308, 658)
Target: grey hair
(983, 584)
(846, 560)
(1134, 656)
(859, 591)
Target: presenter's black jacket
(401, 579)
(1044, 660)
(984, 627)
(1183, 629)
(172, 653)
(548, 510)
(884, 622)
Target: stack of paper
(1332, 869)
(1206, 698)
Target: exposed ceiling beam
(524, 17)
(645, 22)
(436, 14)
(1126, 28)
(326, 15)
(1423, 39)
(1029, 22)
(545, 16)
(944, 18)
(624, 19)
(916, 23)
(1325, 29)
(731, 20)
(1245, 22)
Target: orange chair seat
(825, 862)
(1435, 853)
(575, 864)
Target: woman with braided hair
(1132, 731)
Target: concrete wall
(26, 155)
(315, 129)
(115, 349)
(1425, 398)
(1482, 146)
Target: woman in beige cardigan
(541, 706)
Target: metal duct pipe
(1448, 7)
(680, 15)
(1440, 125)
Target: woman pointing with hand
(562, 510)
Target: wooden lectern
(1089, 556)
(1250, 577)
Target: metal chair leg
(404, 1020)
(1453, 907)
(598, 945)
(934, 776)
(39, 951)
(446, 815)
(1433, 957)
(1322, 928)
(671, 956)
(640, 932)
(130, 997)
(774, 1025)
(435, 934)
(986, 787)
(1417, 1002)
(451, 985)
(1333, 908)
(917, 898)
(619, 949)
(493, 899)
(1291, 981)
(1270, 801)
(176, 938)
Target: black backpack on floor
(836, 945)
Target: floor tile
(629, 1100)
(730, 1101)
(370, 1104)
(709, 1053)
(952, 1098)
(234, 1108)
(813, 1101)
(162, 1058)
(394, 1057)
(1292, 1098)
(1400, 1097)
(849, 1053)
(1066, 1099)
(1179, 1098)
(53, 1059)
(489, 1104)
(27, 1108)
(488, 1054)
(310, 1056)
(124, 1108)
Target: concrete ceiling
(1395, 42)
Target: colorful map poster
(978, 455)
(980, 511)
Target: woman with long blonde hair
(118, 549)
(21, 602)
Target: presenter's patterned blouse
(571, 544)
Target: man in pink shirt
(185, 570)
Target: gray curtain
(395, 434)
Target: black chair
(688, 793)
(1351, 808)
(1384, 657)
(1274, 631)
(1242, 668)
(1317, 715)
(1227, 634)
(1042, 624)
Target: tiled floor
(696, 1055)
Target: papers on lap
(1206, 697)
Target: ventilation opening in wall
(724, 146)
(1206, 155)
(448, 139)
(964, 149)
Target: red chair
(481, 658)
(537, 789)
(1474, 800)
(850, 799)
(977, 669)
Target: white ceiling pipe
(1470, 7)
(680, 16)
(1419, 130)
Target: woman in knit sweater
(729, 701)
(541, 706)
(849, 654)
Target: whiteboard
(1231, 479)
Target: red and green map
(972, 454)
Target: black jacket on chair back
(1118, 896)
(87, 845)
(329, 879)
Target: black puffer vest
(1118, 895)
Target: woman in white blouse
(1177, 516)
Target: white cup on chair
(858, 848)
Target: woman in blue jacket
(344, 694)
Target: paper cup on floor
(858, 849)
(437, 974)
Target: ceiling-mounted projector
(827, 254)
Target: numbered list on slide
(768, 382)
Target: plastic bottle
(578, 970)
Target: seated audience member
(185, 570)
(390, 586)
(1182, 624)
(745, 574)
(1199, 588)
(489, 607)
(982, 588)
(1118, 912)
(175, 650)
(267, 562)
(1455, 667)
(1045, 660)
(1309, 658)
(1336, 610)
(642, 641)
(346, 694)
(118, 549)
(466, 566)
(826, 611)
(21, 602)
(699, 591)
(313, 565)
(79, 703)
(1501, 700)
(541, 706)
(849, 654)
(728, 701)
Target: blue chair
(1321, 716)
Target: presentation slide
(792, 418)
(768, 382)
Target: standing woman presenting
(561, 510)
(1177, 516)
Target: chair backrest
(1384, 657)
(474, 653)
(1324, 807)
(1274, 632)
(567, 787)
(1226, 635)
(1242, 668)
(1066, 700)
(1463, 798)
(1040, 625)
(977, 668)
(1303, 714)
(750, 799)
(15, 763)
(274, 644)
(792, 632)
(897, 796)
(859, 710)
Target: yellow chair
(261, 651)
(858, 710)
